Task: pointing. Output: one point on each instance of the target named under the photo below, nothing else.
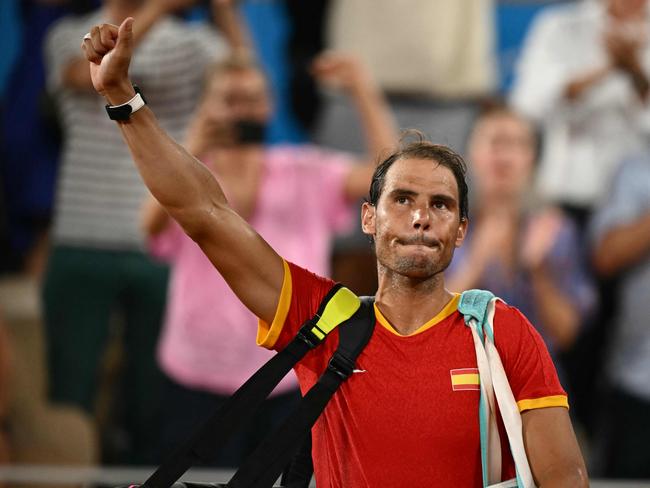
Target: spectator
(621, 237)
(297, 197)
(529, 257)
(583, 76)
(97, 265)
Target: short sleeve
(528, 365)
(166, 246)
(302, 292)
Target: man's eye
(440, 205)
(402, 199)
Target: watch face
(119, 113)
(123, 112)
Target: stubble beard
(417, 268)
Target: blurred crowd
(117, 337)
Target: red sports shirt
(409, 417)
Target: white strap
(137, 102)
(494, 441)
(507, 406)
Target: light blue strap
(473, 304)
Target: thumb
(124, 43)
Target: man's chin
(417, 267)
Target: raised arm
(347, 73)
(622, 246)
(229, 21)
(182, 185)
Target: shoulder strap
(337, 306)
(299, 472)
(266, 463)
(473, 304)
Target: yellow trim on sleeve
(544, 402)
(267, 335)
(448, 309)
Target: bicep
(552, 448)
(250, 266)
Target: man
(397, 422)
(621, 238)
(97, 267)
(296, 196)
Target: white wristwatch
(124, 110)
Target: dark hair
(423, 149)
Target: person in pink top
(297, 197)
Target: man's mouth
(419, 241)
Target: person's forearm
(565, 478)
(76, 74)
(376, 117)
(575, 88)
(622, 247)
(558, 316)
(178, 181)
(229, 21)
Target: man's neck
(409, 303)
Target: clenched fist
(109, 49)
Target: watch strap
(124, 110)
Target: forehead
(423, 176)
(240, 79)
(504, 123)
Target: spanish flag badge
(464, 379)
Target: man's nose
(421, 219)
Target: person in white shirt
(583, 76)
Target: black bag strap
(263, 467)
(225, 421)
(299, 472)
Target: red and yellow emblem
(465, 379)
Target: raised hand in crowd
(623, 47)
(494, 238)
(540, 236)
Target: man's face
(237, 95)
(416, 223)
(502, 155)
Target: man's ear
(368, 215)
(462, 231)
